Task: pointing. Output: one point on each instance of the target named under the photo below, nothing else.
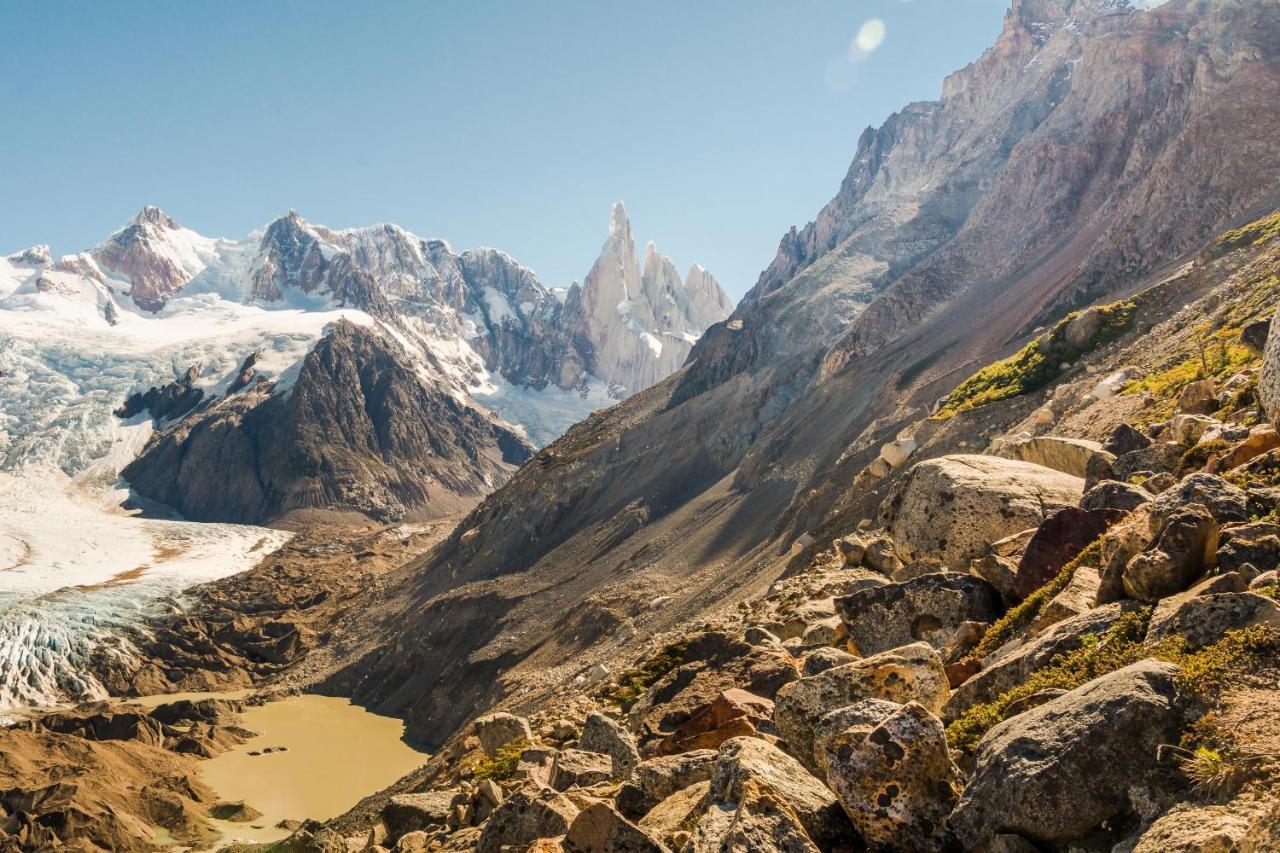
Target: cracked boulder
(929, 608)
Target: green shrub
(1035, 365)
(504, 762)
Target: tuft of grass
(634, 682)
(1204, 672)
(1024, 613)
(504, 762)
(1035, 365)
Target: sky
(720, 123)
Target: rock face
(1056, 772)
(359, 431)
(929, 608)
(985, 498)
(1269, 381)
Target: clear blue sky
(721, 123)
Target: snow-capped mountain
(447, 367)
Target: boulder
(929, 608)
(1224, 501)
(1014, 663)
(1119, 545)
(1077, 597)
(952, 508)
(600, 829)
(1000, 572)
(1058, 771)
(821, 660)
(743, 760)
(497, 730)
(880, 556)
(530, 813)
(1068, 455)
(896, 453)
(757, 635)
(1269, 378)
(764, 822)
(902, 675)
(1114, 495)
(409, 812)
(1060, 540)
(656, 779)
(734, 713)
(1125, 439)
(1261, 439)
(1161, 456)
(535, 764)
(1189, 828)
(1198, 398)
(1187, 430)
(868, 713)
(896, 780)
(850, 548)
(1202, 619)
(601, 734)
(1254, 335)
(1256, 544)
(1266, 580)
(1178, 556)
(578, 768)
(677, 814)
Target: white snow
(499, 308)
(542, 415)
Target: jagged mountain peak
(37, 255)
(619, 224)
(152, 215)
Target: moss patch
(634, 682)
(1035, 365)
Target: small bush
(634, 682)
(504, 762)
(1197, 457)
(1035, 365)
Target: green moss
(634, 682)
(1197, 457)
(504, 762)
(1255, 233)
(1022, 615)
(1035, 365)
(1205, 672)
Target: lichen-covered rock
(603, 735)
(867, 713)
(1068, 455)
(1125, 439)
(600, 829)
(1194, 829)
(499, 729)
(530, 813)
(896, 780)
(850, 548)
(677, 814)
(929, 609)
(764, 822)
(1112, 494)
(1202, 619)
(656, 779)
(821, 660)
(743, 760)
(1225, 502)
(409, 812)
(1184, 545)
(1062, 769)
(578, 768)
(1079, 596)
(1256, 545)
(954, 507)
(911, 673)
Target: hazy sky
(720, 123)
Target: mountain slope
(1088, 146)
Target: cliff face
(359, 431)
(1091, 144)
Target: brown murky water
(335, 753)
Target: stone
(600, 829)
(868, 713)
(1269, 378)
(764, 822)
(850, 548)
(1114, 495)
(880, 556)
(821, 660)
(530, 813)
(497, 730)
(1000, 572)
(1101, 466)
(1014, 544)
(896, 453)
(914, 672)
(1266, 580)
(953, 507)
(1159, 483)
(1256, 544)
(678, 813)
(1203, 619)
(1188, 429)
(1198, 398)
(821, 633)
(535, 764)
(734, 713)
(1160, 457)
(917, 569)
(960, 671)
(1125, 439)
(1079, 596)
(601, 734)
(1254, 335)
(1178, 556)
(1261, 439)
(1189, 828)
(1060, 540)
(578, 768)
(929, 608)
(1226, 502)
(656, 779)
(1012, 664)
(1083, 328)
(1069, 455)
(409, 812)
(1119, 545)
(743, 760)
(759, 636)
(896, 780)
(1058, 771)
(412, 842)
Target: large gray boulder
(601, 734)
(1060, 770)
(912, 673)
(929, 608)
(952, 508)
(1202, 619)
(600, 829)
(1185, 544)
(746, 760)
(499, 729)
(655, 780)
(896, 780)
(1068, 455)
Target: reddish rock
(734, 713)
(961, 671)
(1057, 542)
